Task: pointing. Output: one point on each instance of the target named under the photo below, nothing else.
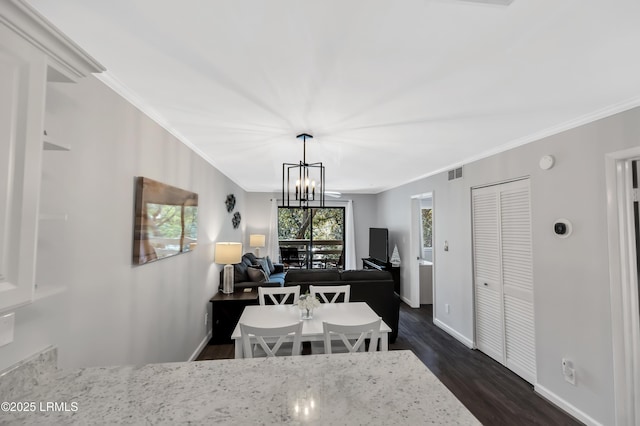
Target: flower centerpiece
(306, 303)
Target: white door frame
(415, 254)
(623, 287)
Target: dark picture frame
(165, 221)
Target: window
(316, 233)
(427, 233)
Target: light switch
(7, 323)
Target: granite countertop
(384, 388)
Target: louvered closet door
(517, 279)
(503, 263)
(488, 292)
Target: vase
(306, 313)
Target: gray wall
(572, 303)
(111, 312)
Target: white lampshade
(228, 253)
(256, 240)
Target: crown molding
(591, 117)
(130, 96)
(68, 59)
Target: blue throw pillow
(272, 268)
(265, 267)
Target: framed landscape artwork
(165, 222)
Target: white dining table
(271, 316)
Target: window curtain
(350, 239)
(273, 246)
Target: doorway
(422, 272)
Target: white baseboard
(201, 346)
(459, 337)
(564, 405)
(408, 302)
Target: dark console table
(369, 263)
(226, 310)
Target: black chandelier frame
(306, 192)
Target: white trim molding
(625, 327)
(408, 302)
(201, 346)
(459, 337)
(565, 406)
(544, 133)
(67, 58)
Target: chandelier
(308, 178)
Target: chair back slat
(271, 340)
(288, 295)
(324, 292)
(347, 334)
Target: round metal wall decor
(236, 219)
(230, 202)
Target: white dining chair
(349, 343)
(327, 290)
(285, 293)
(270, 342)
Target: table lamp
(257, 241)
(228, 254)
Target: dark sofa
(241, 274)
(376, 288)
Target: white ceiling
(391, 90)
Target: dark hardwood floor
(494, 394)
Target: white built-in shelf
(45, 291)
(50, 145)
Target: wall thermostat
(562, 228)
(547, 162)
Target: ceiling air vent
(455, 173)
